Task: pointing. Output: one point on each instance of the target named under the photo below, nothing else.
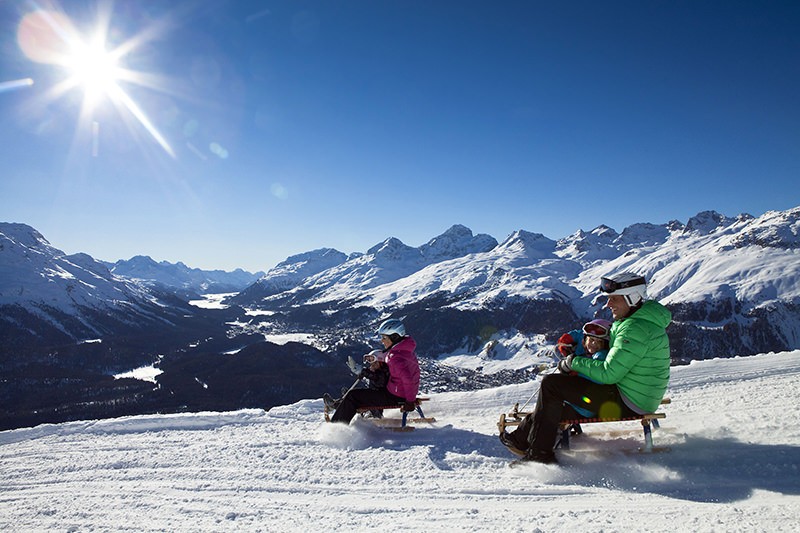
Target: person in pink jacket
(403, 384)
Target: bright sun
(94, 69)
(49, 36)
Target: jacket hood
(407, 343)
(654, 312)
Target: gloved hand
(409, 407)
(565, 365)
(566, 344)
(354, 367)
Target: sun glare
(49, 36)
(93, 68)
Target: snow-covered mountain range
(50, 298)
(327, 272)
(733, 284)
(181, 277)
(483, 312)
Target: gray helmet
(392, 325)
(632, 286)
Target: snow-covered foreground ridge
(733, 429)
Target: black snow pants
(363, 398)
(539, 430)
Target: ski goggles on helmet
(595, 330)
(610, 286)
(374, 355)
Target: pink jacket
(403, 370)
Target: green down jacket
(638, 358)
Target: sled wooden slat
(515, 417)
(387, 422)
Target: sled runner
(396, 424)
(573, 427)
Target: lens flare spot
(15, 84)
(610, 410)
(279, 191)
(218, 150)
(586, 400)
(42, 36)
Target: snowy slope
(289, 273)
(64, 292)
(733, 466)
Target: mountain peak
(644, 234)
(605, 232)
(706, 222)
(391, 246)
(533, 245)
(592, 246)
(325, 255)
(294, 269)
(457, 241)
(23, 234)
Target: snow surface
(213, 301)
(144, 373)
(733, 429)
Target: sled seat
(573, 427)
(404, 422)
(366, 409)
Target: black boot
(540, 456)
(509, 443)
(330, 403)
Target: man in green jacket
(630, 381)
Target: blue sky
(263, 129)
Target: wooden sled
(573, 427)
(395, 424)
